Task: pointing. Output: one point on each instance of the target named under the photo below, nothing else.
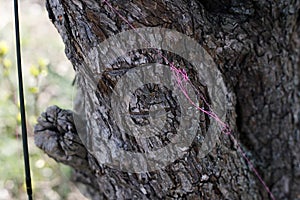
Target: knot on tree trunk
(56, 134)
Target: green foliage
(3, 48)
(48, 176)
(40, 69)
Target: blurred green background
(46, 71)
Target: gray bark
(255, 45)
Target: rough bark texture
(255, 45)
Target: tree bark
(255, 45)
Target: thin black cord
(22, 105)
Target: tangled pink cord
(181, 76)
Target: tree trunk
(255, 45)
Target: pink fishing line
(181, 76)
